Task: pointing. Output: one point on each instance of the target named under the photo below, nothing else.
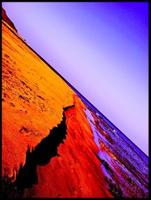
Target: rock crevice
(40, 155)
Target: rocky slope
(54, 142)
(6, 19)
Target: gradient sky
(101, 49)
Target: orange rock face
(33, 97)
(76, 172)
(54, 142)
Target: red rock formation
(6, 19)
(76, 172)
(31, 103)
(54, 142)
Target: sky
(100, 48)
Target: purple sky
(101, 49)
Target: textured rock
(33, 97)
(54, 142)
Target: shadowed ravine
(40, 155)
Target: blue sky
(101, 49)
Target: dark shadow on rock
(40, 155)
(8, 190)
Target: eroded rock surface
(54, 142)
